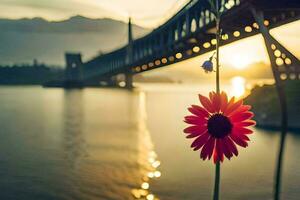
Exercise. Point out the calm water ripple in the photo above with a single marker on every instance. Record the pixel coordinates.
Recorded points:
(115, 145)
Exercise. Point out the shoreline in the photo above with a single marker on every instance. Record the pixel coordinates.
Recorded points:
(276, 128)
(265, 105)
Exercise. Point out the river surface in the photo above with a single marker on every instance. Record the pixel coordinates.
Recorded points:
(110, 144)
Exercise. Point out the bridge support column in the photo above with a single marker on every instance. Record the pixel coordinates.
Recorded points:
(128, 81)
(284, 66)
(130, 58)
(73, 71)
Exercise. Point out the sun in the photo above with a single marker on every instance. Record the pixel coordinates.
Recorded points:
(238, 86)
(240, 61)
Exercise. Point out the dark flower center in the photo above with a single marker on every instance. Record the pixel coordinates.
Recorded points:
(219, 126)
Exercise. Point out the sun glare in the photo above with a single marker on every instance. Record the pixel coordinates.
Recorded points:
(238, 85)
(240, 62)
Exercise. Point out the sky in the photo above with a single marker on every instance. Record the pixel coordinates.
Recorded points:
(147, 13)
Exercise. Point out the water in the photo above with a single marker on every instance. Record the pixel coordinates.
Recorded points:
(105, 143)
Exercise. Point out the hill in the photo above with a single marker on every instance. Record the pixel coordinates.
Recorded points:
(265, 103)
(26, 39)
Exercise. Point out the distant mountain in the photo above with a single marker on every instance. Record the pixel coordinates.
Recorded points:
(23, 40)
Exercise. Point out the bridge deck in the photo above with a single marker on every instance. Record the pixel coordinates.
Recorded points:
(190, 33)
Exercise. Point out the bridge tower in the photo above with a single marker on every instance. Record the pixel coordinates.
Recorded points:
(128, 73)
(285, 66)
(73, 71)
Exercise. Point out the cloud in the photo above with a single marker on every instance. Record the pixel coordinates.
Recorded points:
(145, 13)
(51, 10)
(41, 4)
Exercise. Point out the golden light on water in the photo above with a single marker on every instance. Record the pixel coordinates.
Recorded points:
(145, 186)
(238, 86)
(150, 161)
(150, 174)
(157, 174)
(139, 193)
(150, 197)
(155, 164)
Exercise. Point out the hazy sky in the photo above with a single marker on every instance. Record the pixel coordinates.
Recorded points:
(144, 12)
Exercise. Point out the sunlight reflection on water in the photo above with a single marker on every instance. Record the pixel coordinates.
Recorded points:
(146, 148)
(238, 85)
(185, 176)
(113, 144)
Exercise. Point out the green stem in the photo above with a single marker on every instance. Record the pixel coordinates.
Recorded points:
(218, 54)
(217, 175)
(217, 182)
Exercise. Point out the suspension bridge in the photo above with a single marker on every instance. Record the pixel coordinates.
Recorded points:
(189, 33)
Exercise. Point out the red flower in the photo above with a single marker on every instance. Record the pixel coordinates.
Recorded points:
(218, 126)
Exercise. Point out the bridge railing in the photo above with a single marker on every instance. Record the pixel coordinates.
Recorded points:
(104, 64)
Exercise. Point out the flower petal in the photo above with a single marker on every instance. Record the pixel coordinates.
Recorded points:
(216, 102)
(200, 131)
(195, 129)
(241, 131)
(232, 107)
(241, 116)
(238, 140)
(230, 103)
(226, 148)
(193, 135)
(241, 109)
(195, 120)
(244, 137)
(218, 153)
(211, 94)
(224, 101)
(200, 141)
(208, 148)
(206, 103)
(246, 123)
(232, 146)
(199, 111)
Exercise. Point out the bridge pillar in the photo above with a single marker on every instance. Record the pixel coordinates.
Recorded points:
(128, 73)
(73, 71)
(284, 66)
(128, 81)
